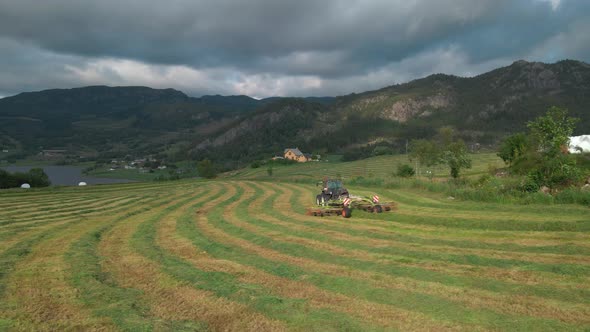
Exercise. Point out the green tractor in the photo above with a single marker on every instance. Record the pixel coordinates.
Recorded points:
(335, 199)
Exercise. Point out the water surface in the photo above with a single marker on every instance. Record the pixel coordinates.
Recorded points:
(66, 175)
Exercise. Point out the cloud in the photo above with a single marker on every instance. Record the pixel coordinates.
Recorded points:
(267, 47)
(554, 3)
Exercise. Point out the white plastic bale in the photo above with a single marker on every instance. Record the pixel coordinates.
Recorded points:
(579, 144)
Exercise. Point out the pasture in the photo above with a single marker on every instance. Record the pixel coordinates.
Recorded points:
(382, 167)
(242, 255)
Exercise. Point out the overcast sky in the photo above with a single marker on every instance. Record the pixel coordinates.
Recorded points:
(267, 48)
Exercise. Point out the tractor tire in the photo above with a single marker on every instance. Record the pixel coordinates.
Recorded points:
(346, 212)
(318, 200)
(323, 200)
(377, 208)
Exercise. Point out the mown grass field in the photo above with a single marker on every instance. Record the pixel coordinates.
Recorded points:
(376, 167)
(242, 255)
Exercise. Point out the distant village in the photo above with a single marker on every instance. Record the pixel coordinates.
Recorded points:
(144, 165)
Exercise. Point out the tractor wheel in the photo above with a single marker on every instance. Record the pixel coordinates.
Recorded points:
(378, 209)
(346, 212)
(323, 200)
(318, 200)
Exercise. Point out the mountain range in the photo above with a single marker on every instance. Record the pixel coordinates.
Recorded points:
(108, 122)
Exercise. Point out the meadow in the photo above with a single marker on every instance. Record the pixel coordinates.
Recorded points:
(380, 167)
(242, 255)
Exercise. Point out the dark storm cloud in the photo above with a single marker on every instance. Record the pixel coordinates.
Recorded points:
(263, 46)
(218, 33)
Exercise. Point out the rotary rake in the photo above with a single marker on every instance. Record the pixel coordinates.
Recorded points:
(335, 200)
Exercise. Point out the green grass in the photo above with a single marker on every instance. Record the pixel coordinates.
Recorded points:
(432, 264)
(381, 167)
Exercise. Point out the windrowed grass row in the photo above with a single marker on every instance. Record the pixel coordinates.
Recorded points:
(242, 255)
(38, 295)
(329, 306)
(99, 292)
(325, 238)
(240, 288)
(355, 287)
(19, 232)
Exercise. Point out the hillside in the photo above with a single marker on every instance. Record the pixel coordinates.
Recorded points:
(483, 109)
(119, 120)
(115, 121)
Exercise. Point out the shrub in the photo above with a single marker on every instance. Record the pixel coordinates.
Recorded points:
(206, 169)
(405, 171)
(530, 184)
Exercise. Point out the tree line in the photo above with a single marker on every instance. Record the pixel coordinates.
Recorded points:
(35, 177)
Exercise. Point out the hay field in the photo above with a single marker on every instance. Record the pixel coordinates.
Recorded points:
(242, 255)
(375, 167)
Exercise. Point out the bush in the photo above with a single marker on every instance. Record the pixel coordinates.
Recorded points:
(530, 184)
(280, 162)
(206, 169)
(573, 196)
(405, 171)
(382, 150)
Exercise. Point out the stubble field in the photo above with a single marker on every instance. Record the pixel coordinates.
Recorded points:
(242, 255)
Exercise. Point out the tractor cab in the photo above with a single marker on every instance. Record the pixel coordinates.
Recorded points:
(332, 189)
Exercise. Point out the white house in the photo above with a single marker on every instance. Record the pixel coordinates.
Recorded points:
(579, 144)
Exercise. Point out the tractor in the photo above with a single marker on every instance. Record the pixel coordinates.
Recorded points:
(331, 190)
(336, 200)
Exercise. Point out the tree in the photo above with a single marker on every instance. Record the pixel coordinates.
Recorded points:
(206, 169)
(455, 156)
(445, 136)
(553, 130)
(38, 178)
(513, 147)
(453, 151)
(7, 180)
(424, 152)
(551, 165)
(445, 149)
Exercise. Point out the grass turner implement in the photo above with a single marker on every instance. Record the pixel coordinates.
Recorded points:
(336, 200)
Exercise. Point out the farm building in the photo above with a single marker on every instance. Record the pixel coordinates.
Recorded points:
(296, 154)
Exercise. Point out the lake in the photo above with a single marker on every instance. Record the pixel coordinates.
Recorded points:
(65, 175)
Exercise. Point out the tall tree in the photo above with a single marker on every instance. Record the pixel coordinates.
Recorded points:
(553, 130)
(456, 157)
(424, 152)
(453, 151)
